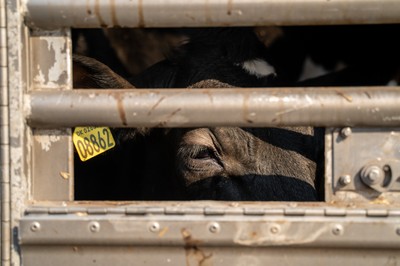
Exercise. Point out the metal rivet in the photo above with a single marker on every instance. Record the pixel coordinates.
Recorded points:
(274, 229)
(35, 226)
(214, 228)
(337, 229)
(345, 180)
(154, 227)
(345, 132)
(94, 227)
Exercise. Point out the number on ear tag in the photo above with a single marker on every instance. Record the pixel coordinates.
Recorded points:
(92, 141)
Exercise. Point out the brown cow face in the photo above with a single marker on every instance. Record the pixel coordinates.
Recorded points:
(231, 163)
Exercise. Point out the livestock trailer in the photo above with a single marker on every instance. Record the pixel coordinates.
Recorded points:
(357, 222)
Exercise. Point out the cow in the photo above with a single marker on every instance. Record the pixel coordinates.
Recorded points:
(233, 163)
(222, 163)
(231, 55)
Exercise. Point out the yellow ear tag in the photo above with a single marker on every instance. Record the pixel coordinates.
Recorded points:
(91, 141)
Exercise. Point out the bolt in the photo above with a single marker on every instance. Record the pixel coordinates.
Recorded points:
(94, 227)
(274, 229)
(345, 132)
(386, 168)
(345, 180)
(35, 226)
(214, 228)
(337, 229)
(372, 174)
(154, 227)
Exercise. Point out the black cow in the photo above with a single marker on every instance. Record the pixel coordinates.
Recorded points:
(233, 163)
(202, 163)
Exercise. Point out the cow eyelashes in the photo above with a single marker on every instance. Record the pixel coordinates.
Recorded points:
(204, 153)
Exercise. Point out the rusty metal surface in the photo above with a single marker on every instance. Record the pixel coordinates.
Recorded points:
(357, 106)
(179, 13)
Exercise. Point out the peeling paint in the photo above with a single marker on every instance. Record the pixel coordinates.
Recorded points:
(48, 137)
(18, 179)
(57, 73)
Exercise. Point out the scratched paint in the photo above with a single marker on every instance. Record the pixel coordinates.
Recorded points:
(53, 53)
(248, 234)
(47, 138)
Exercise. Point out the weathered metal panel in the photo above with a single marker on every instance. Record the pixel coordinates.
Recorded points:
(208, 256)
(51, 70)
(279, 235)
(14, 172)
(334, 228)
(363, 106)
(181, 13)
(365, 165)
(345, 230)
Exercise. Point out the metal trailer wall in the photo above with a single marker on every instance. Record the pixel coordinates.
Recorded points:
(5, 233)
(45, 226)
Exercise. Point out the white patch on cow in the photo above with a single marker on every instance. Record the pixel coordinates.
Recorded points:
(313, 70)
(258, 68)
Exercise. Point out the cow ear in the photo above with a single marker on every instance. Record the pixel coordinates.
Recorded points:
(90, 73)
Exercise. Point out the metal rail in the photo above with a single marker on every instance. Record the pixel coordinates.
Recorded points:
(5, 208)
(181, 13)
(356, 106)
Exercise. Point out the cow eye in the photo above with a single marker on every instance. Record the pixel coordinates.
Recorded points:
(204, 153)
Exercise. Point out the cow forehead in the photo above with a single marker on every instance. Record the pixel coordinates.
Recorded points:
(198, 136)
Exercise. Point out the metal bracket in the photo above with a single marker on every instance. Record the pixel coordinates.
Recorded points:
(366, 162)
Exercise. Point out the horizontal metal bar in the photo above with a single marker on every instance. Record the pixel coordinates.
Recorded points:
(182, 13)
(355, 106)
(179, 230)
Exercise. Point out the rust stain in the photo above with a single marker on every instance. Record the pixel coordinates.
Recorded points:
(98, 15)
(230, 7)
(88, 9)
(121, 109)
(347, 97)
(207, 12)
(165, 122)
(113, 14)
(208, 93)
(163, 231)
(154, 106)
(140, 14)
(245, 108)
(193, 252)
(368, 95)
